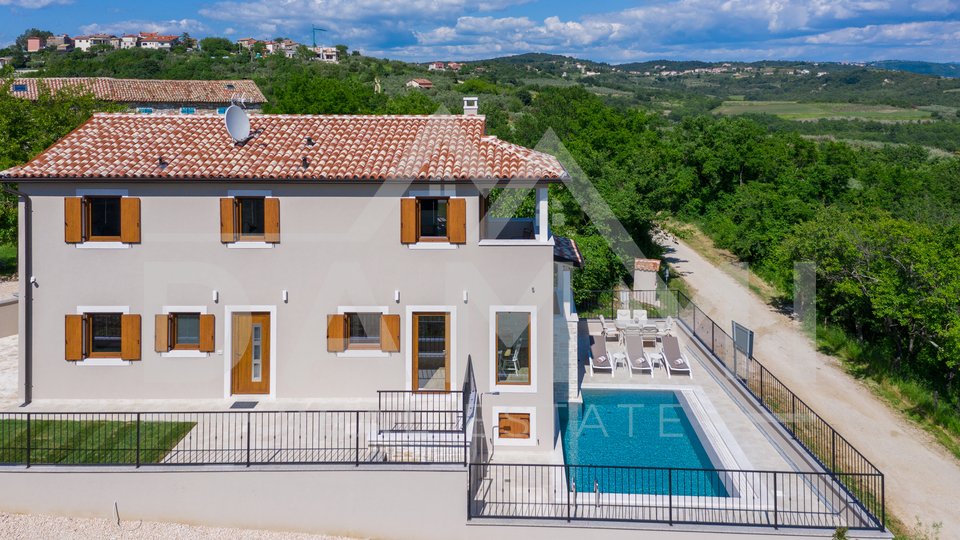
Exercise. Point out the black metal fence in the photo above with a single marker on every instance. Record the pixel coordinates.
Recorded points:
(222, 438)
(692, 496)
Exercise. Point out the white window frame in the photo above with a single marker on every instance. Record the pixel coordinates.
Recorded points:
(534, 365)
(531, 441)
(228, 312)
(362, 353)
(408, 342)
(174, 353)
(104, 362)
(102, 192)
(250, 193)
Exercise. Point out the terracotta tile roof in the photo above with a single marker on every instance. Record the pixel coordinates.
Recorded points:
(149, 90)
(446, 148)
(565, 250)
(649, 265)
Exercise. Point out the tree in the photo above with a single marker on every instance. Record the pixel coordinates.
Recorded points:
(216, 46)
(341, 51)
(259, 48)
(411, 103)
(21, 41)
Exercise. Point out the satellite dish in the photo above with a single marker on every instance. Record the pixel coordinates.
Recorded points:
(237, 122)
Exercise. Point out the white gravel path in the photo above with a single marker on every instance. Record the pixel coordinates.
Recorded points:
(922, 478)
(55, 527)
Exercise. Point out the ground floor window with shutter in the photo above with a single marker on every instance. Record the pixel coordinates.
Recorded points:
(363, 332)
(105, 334)
(180, 332)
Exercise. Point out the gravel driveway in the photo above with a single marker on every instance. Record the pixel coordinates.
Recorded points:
(922, 478)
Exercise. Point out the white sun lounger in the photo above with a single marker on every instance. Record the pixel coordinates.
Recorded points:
(673, 358)
(599, 359)
(637, 358)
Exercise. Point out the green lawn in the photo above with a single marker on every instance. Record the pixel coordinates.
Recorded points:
(792, 110)
(88, 442)
(8, 259)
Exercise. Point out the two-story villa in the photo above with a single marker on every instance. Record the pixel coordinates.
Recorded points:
(321, 257)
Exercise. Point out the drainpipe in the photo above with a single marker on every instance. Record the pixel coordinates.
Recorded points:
(27, 266)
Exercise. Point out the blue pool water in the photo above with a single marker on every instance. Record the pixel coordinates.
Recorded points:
(640, 428)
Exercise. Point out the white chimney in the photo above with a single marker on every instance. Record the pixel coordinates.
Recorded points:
(471, 105)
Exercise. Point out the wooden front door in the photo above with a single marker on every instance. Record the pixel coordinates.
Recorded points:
(431, 352)
(250, 373)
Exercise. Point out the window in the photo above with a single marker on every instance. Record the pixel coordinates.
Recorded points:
(109, 333)
(188, 110)
(432, 219)
(145, 110)
(512, 344)
(514, 426)
(186, 331)
(363, 330)
(103, 218)
(19, 88)
(221, 110)
(230, 86)
(104, 335)
(251, 217)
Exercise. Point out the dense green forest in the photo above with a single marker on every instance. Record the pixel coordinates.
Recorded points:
(882, 224)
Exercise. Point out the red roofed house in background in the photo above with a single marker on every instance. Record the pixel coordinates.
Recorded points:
(35, 43)
(153, 96)
(423, 84)
(317, 257)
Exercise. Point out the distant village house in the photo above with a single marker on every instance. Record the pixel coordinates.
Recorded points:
(423, 84)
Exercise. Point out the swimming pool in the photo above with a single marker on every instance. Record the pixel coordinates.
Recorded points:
(613, 429)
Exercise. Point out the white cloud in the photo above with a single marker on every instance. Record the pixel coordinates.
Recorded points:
(32, 4)
(228, 31)
(919, 33)
(175, 26)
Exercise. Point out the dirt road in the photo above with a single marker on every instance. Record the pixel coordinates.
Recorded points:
(922, 479)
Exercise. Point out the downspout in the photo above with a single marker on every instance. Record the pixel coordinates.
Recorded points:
(27, 266)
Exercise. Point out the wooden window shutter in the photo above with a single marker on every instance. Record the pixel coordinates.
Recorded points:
(73, 337)
(161, 341)
(271, 220)
(228, 233)
(457, 220)
(390, 333)
(130, 220)
(73, 220)
(336, 333)
(130, 337)
(408, 221)
(208, 329)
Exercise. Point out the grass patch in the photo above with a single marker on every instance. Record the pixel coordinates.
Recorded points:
(792, 110)
(107, 442)
(8, 259)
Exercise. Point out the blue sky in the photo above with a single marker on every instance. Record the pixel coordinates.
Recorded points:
(615, 31)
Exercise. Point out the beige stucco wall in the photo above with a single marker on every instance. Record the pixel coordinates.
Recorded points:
(367, 502)
(340, 246)
(9, 316)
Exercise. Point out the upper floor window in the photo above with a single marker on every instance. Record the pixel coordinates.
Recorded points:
(188, 110)
(101, 218)
(145, 110)
(433, 219)
(221, 110)
(250, 219)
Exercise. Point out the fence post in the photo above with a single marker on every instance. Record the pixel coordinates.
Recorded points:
(775, 517)
(670, 495)
(28, 440)
(883, 504)
(762, 402)
(568, 497)
(793, 416)
(833, 464)
(138, 440)
(356, 438)
(469, 492)
(249, 436)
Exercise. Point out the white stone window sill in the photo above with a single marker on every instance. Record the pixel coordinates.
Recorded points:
(250, 245)
(184, 354)
(433, 245)
(103, 362)
(357, 353)
(515, 388)
(103, 245)
(518, 242)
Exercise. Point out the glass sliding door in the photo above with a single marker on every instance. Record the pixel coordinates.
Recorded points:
(431, 352)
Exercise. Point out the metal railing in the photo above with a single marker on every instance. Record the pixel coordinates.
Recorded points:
(668, 495)
(220, 438)
(405, 411)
